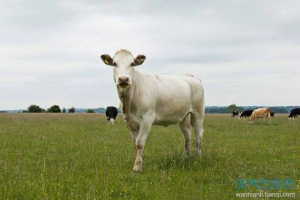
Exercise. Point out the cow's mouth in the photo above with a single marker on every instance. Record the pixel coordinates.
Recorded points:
(123, 86)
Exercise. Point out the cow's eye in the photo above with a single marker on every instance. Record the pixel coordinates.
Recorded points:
(115, 64)
(132, 64)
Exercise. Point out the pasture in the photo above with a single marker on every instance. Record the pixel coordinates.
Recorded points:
(80, 156)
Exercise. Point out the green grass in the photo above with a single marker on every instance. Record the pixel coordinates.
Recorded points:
(79, 156)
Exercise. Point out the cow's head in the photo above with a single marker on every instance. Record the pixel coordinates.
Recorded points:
(123, 63)
(112, 121)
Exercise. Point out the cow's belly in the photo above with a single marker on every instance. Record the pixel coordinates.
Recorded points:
(166, 122)
(165, 117)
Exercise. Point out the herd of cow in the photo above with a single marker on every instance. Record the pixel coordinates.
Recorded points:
(112, 113)
(263, 113)
(148, 99)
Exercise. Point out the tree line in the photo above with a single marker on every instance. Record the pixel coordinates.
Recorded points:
(232, 107)
(53, 109)
(208, 109)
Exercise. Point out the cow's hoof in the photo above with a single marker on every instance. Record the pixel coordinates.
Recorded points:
(137, 169)
(198, 153)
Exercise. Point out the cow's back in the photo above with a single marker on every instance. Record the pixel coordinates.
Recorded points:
(295, 111)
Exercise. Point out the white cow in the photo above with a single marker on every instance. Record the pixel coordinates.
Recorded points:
(150, 99)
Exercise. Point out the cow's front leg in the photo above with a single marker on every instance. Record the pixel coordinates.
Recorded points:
(134, 135)
(140, 141)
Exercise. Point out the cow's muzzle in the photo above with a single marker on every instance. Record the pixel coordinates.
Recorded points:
(112, 121)
(123, 81)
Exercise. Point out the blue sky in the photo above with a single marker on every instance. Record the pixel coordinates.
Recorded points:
(245, 52)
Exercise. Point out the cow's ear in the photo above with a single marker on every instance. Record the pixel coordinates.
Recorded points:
(139, 60)
(107, 59)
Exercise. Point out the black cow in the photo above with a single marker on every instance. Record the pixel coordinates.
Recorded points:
(246, 113)
(111, 114)
(294, 113)
(235, 113)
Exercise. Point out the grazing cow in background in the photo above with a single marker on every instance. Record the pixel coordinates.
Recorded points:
(260, 113)
(150, 99)
(294, 113)
(272, 113)
(246, 113)
(111, 114)
(235, 113)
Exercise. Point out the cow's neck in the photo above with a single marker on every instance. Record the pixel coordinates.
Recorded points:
(127, 96)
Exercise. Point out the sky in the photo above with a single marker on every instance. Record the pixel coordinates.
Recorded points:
(245, 52)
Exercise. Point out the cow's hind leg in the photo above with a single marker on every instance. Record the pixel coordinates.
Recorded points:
(199, 130)
(185, 128)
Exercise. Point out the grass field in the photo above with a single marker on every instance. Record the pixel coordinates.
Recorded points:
(79, 156)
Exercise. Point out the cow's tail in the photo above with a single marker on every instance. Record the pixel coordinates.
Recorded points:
(192, 117)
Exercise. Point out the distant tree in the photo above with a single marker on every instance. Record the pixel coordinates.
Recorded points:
(54, 109)
(35, 109)
(64, 110)
(279, 109)
(72, 110)
(102, 110)
(216, 109)
(90, 111)
(3, 111)
(233, 107)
